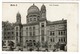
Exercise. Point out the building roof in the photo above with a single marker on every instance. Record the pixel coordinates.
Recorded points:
(42, 19)
(56, 22)
(34, 23)
(6, 23)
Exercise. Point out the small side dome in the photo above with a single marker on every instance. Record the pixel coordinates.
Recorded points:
(18, 15)
(33, 9)
(43, 8)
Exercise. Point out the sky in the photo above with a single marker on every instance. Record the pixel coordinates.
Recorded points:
(54, 11)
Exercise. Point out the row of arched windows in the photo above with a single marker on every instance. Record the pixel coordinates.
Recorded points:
(31, 19)
(62, 39)
(31, 31)
(62, 32)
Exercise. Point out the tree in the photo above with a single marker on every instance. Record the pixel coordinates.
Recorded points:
(29, 44)
(38, 45)
(46, 45)
(57, 45)
(18, 44)
(11, 44)
(19, 47)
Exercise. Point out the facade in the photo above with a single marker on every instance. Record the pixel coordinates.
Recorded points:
(7, 34)
(38, 33)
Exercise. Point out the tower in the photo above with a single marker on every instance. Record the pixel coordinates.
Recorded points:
(18, 29)
(18, 18)
(43, 11)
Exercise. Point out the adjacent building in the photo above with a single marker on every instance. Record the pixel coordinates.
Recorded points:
(7, 34)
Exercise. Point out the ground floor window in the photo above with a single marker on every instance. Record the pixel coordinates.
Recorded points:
(42, 38)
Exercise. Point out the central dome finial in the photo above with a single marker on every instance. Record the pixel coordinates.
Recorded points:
(33, 4)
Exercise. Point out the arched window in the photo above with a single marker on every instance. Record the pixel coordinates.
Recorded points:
(42, 32)
(33, 31)
(59, 32)
(42, 38)
(16, 28)
(42, 24)
(34, 19)
(59, 39)
(16, 33)
(52, 33)
(33, 28)
(30, 29)
(30, 19)
(64, 32)
(27, 20)
(51, 39)
(64, 39)
(33, 40)
(27, 31)
(26, 40)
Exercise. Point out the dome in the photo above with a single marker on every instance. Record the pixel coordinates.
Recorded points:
(43, 8)
(18, 14)
(33, 9)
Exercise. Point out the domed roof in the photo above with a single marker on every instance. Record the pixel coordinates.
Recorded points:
(18, 14)
(43, 8)
(33, 9)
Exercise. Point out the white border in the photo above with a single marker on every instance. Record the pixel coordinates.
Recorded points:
(33, 52)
